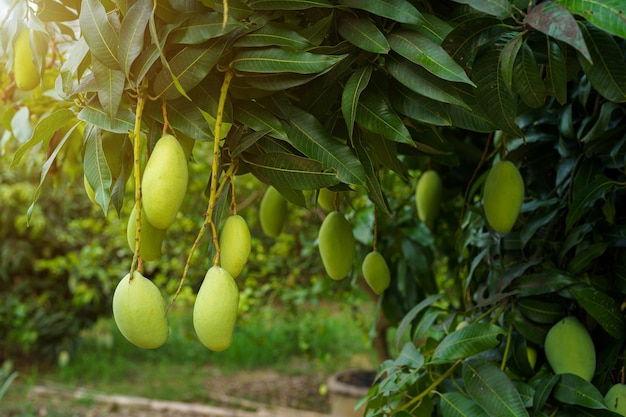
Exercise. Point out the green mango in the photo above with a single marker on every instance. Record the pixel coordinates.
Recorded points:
(336, 245)
(569, 349)
(164, 182)
(26, 74)
(326, 199)
(215, 309)
(428, 194)
(234, 245)
(273, 212)
(503, 195)
(151, 237)
(615, 399)
(376, 272)
(139, 312)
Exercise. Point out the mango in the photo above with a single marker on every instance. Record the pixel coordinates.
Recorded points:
(139, 312)
(151, 237)
(376, 272)
(234, 245)
(164, 182)
(336, 245)
(615, 399)
(273, 212)
(569, 349)
(215, 309)
(26, 74)
(503, 195)
(428, 194)
(326, 199)
(91, 194)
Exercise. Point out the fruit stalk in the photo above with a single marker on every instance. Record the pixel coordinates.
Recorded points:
(141, 101)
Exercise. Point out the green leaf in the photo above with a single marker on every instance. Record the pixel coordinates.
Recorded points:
(310, 137)
(528, 82)
(507, 58)
(287, 4)
(544, 282)
(96, 169)
(492, 389)
(556, 77)
(398, 10)
(46, 126)
(93, 113)
(273, 35)
(608, 71)
(100, 35)
(132, 33)
(202, 27)
(493, 95)
(292, 171)
(557, 22)
(586, 256)
(540, 311)
(454, 404)
(410, 316)
(609, 15)
(189, 67)
(410, 357)
(185, 116)
(257, 117)
(498, 8)
(420, 50)
(365, 153)
(589, 186)
(421, 81)
(420, 108)
(110, 85)
(52, 11)
(467, 341)
(278, 60)
(604, 309)
(385, 152)
(572, 389)
(374, 114)
(465, 40)
(362, 32)
(543, 389)
(351, 93)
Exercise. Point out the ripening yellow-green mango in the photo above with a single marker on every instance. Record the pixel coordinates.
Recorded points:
(428, 194)
(139, 311)
(376, 272)
(503, 195)
(164, 182)
(570, 349)
(151, 237)
(326, 199)
(234, 244)
(336, 245)
(26, 74)
(615, 399)
(273, 212)
(215, 309)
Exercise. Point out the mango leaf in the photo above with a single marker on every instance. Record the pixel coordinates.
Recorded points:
(278, 60)
(409, 357)
(374, 114)
(604, 309)
(110, 84)
(364, 152)
(589, 186)
(493, 95)
(258, 118)
(556, 77)
(492, 389)
(96, 169)
(543, 389)
(273, 35)
(608, 72)
(572, 389)
(410, 316)
(544, 282)
(497, 8)
(351, 93)
(507, 58)
(99, 33)
(557, 22)
(287, 4)
(132, 33)
(586, 256)
(420, 50)
(362, 32)
(421, 81)
(399, 10)
(93, 113)
(609, 15)
(540, 311)
(52, 11)
(420, 108)
(292, 171)
(189, 67)
(454, 404)
(44, 129)
(528, 82)
(464, 41)
(185, 116)
(385, 152)
(202, 27)
(467, 341)
(310, 137)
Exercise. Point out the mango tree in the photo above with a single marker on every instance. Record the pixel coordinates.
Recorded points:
(356, 98)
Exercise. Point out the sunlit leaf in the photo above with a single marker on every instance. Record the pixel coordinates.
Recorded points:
(258, 118)
(122, 122)
(96, 170)
(277, 60)
(110, 84)
(202, 27)
(99, 33)
(132, 33)
(273, 35)
(609, 15)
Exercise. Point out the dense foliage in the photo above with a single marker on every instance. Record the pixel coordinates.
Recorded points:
(364, 95)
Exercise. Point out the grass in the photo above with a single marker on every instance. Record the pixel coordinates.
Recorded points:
(315, 338)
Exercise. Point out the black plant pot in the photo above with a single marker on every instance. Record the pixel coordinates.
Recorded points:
(345, 388)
